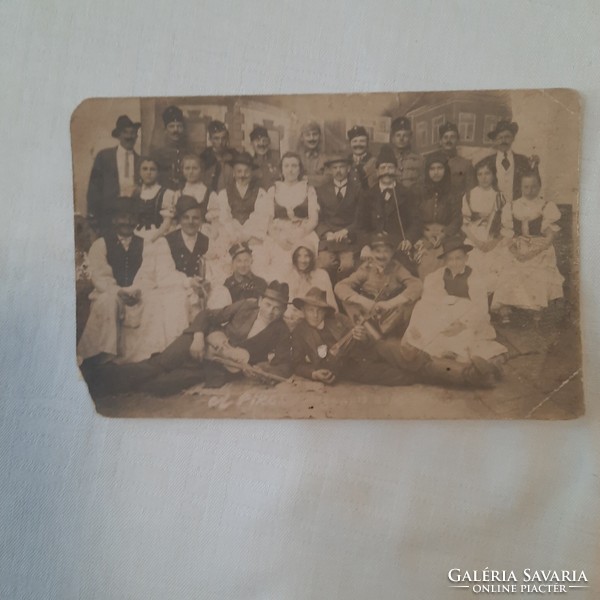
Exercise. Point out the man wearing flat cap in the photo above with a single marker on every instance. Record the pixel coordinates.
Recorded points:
(338, 201)
(508, 166)
(215, 158)
(363, 170)
(461, 169)
(248, 332)
(114, 174)
(311, 153)
(243, 283)
(267, 166)
(409, 164)
(174, 146)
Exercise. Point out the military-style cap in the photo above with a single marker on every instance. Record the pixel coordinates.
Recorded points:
(386, 156)
(401, 124)
(242, 158)
(503, 126)
(171, 114)
(123, 122)
(445, 127)
(239, 249)
(216, 127)
(381, 239)
(258, 132)
(280, 292)
(310, 126)
(185, 203)
(357, 131)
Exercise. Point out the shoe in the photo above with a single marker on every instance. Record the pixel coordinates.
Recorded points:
(481, 373)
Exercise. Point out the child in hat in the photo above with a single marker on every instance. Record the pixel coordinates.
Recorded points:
(451, 320)
(156, 203)
(530, 279)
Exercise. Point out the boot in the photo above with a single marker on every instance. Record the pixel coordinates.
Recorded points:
(479, 373)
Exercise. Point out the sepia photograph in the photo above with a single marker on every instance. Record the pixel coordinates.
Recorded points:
(364, 256)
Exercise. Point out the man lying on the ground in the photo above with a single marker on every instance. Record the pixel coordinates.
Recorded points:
(248, 337)
(326, 347)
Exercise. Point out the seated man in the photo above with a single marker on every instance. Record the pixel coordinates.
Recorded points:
(327, 348)
(243, 284)
(249, 335)
(138, 304)
(338, 201)
(381, 291)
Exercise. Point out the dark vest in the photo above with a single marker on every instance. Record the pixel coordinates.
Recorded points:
(149, 210)
(250, 287)
(535, 226)
(241, 208)
(300, 211)
(190, 263)
(459, 285)
(124, 263)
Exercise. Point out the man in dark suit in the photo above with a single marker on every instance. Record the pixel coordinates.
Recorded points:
(253, 331)
(268, 170)
(114, 174)
(217, 157)
(461, 169)
(509, 166)
(326, 347)
(338, 200)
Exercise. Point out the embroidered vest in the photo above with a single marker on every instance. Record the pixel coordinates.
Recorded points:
(124, 263)
(190, 263)
(149, 210)
(241, 208)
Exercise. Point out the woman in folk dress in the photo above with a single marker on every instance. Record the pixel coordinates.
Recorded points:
(486, 225)
(530, 279)
(451, 320)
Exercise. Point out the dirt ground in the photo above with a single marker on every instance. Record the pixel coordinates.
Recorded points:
(542, 380)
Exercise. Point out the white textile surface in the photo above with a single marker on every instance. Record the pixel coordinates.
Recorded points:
(92, 508)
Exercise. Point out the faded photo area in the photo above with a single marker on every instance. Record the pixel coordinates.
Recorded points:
(384, 256)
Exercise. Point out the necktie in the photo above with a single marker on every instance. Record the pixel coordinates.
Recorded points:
(339, 194)
(127, 168)
(505, 162)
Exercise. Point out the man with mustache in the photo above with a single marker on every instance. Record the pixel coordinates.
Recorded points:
(461, 169)
(114, 174)
(363, 170)
(409, 164)
(310, 151)
(267, 166)
(170, 152)
(509, 166)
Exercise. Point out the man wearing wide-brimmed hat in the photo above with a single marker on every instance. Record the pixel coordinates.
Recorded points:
(247, 332)
(509, 166)
(338, 201)
(363, 170)
(114, 173)
(268, 170)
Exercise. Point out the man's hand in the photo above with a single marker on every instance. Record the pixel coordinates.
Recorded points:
(404, 246)
(196, 283)
(329, 236)
(197, 347)
(130, 297)
(324, 376)
(365, 303)
(534, 161)
(359, 333)
(340, 236)
(386, 305)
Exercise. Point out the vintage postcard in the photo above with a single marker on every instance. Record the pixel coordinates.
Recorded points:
(361, 256)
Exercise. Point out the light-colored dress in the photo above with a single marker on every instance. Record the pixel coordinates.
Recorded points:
(532, 283)
(290, 213)
(437, 310)
(300, 284)
(134, 333)
(484, 219)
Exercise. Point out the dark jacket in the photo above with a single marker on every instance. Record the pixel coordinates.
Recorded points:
(236, 320)
(335, 215)
(243, 288)
(521, 167)
(104, 186)
(190, 263)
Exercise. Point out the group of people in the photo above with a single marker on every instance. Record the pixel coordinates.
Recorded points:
(378, 270)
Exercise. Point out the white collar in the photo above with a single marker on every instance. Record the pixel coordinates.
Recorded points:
(189, 238)
(340, 185)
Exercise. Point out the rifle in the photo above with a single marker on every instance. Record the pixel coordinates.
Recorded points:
(256, 372)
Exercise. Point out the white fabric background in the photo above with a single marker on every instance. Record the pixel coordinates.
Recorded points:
(105, 509)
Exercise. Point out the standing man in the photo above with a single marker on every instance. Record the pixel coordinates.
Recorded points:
(409, 164)
(311, 153)
(267, 167)
(216, 158)
(338, 201)
(508, 166)
(363, 170)
(461, 169)
(170, 152)
(113, 175)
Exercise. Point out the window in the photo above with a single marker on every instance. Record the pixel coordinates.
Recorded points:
(422, 134)
(466, 127)
(435, 128)
(489, 123)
